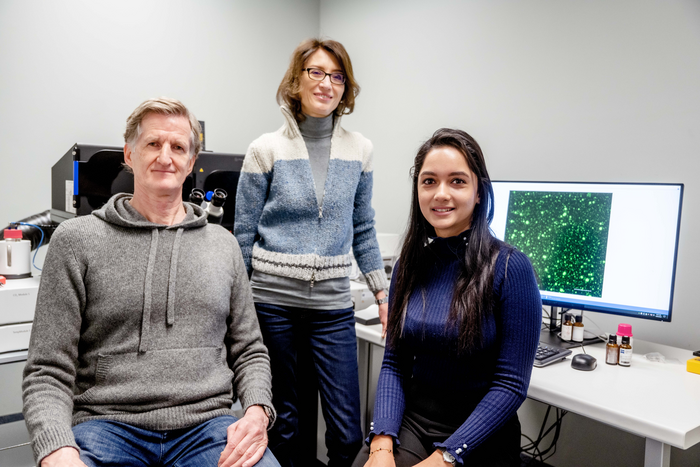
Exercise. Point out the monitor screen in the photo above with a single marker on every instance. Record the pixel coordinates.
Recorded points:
(606, 247)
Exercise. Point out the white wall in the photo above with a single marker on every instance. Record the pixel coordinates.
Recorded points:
(72, 71)
(552, 90)
(602, 90)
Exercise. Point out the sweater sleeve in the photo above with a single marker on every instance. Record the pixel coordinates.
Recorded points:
(365, 245)
(251, 196)
(250, 363)
(390, 399)
(49, 375)
(518, 324)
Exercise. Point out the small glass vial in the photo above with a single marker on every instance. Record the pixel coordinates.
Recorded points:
(625, 330)
(577, 334)
(612, 350)
(625, 352)
(567, 328)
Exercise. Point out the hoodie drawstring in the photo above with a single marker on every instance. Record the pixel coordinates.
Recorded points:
(172, 278)
(119, 212)
(146, 317)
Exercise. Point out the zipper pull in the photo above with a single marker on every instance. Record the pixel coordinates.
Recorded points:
(320, 212)
(313, 277)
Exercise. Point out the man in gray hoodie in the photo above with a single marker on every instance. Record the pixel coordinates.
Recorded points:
(145, 330)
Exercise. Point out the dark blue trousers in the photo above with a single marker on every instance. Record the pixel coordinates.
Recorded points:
(327, 337)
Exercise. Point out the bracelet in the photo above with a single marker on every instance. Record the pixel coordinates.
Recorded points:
(380, 301)
(385, 299)
(380, 449)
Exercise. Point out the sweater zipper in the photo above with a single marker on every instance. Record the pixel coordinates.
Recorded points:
(313, 274)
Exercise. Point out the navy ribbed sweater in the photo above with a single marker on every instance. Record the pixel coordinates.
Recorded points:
(475, 392)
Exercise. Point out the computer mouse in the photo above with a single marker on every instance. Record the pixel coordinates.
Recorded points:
(584, 362)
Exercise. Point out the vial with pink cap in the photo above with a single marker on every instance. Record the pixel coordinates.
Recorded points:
(624, 333)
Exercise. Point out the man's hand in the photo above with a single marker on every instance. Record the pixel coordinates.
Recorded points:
(63, 457)
(246, 439)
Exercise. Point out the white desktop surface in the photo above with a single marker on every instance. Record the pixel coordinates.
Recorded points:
(654, 400)
(371, 334)
(657, 401)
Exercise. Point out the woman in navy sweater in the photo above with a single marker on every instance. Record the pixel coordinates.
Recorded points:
(464, 324)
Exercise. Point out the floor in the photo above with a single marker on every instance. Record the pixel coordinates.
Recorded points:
(526, 461)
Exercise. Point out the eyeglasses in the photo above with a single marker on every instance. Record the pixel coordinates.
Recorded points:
(317, 74)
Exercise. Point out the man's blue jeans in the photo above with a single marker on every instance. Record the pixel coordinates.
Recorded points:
(328, 336)
(108, 443)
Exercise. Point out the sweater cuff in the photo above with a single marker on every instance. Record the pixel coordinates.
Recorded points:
(384, 426)
(457, 452)
(376, 280)
(51, 439)
(372, 434)
(259, 397)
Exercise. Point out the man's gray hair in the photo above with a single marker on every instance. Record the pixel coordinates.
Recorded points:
(163, 106)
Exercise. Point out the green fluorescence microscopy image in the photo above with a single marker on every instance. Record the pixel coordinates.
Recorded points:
(565, 235)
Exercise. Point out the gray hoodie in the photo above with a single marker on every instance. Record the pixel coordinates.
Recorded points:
(141, 323)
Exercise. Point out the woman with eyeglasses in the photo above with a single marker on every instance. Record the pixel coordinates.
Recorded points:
(303, 201)
(464, 324)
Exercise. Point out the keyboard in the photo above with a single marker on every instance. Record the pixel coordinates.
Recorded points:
(547, 354)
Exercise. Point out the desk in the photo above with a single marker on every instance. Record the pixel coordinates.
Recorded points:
(10, 357)
(659, 402)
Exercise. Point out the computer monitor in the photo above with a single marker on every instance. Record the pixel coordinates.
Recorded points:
(603, 247)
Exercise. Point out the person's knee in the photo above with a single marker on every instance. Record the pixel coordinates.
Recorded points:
(103, 442)
(215, 429)
(268, 460)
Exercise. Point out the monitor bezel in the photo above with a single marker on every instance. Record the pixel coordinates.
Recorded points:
(618, 310)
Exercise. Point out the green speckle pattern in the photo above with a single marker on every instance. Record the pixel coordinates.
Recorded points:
(565, 235)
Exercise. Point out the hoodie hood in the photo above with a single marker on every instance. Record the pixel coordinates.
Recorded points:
(118, 211)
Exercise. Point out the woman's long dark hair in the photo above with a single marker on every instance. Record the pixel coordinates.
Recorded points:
(472, 299)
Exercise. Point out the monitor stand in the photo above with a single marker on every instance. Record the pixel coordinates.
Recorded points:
(552, 338)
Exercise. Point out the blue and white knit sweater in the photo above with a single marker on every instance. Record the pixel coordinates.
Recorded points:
(280, 226)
